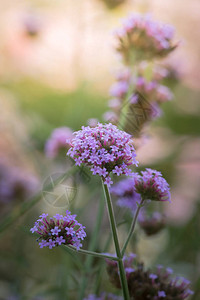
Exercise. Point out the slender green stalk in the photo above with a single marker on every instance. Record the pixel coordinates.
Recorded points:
(92, 253)
(92, 246)
(116, 242)
(132, 227)
(102, 267)
(24, 207)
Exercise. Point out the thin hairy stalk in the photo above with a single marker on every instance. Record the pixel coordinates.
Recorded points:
(101, 268)
(132, 227)
(96, 254)
(113, 226)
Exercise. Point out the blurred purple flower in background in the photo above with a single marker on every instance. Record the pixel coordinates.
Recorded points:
(57, 141)
(151, 224)
(149, 284)
(141, 38)
(16, 184)
(125, 191)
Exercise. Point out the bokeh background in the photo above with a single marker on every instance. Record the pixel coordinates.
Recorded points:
(57, 61)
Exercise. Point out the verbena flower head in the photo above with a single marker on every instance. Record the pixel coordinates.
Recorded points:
(149, 284)
(57, 141)
(103, 296)
(151, 224)
(59, 230)
(125, 191)
(152, 186)
(104, 149)
(142, 38)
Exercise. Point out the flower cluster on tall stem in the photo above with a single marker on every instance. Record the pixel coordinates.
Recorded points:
(142, 38)
(104, 149)
(119, 254)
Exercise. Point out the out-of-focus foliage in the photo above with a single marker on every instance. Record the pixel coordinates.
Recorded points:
(40, 102)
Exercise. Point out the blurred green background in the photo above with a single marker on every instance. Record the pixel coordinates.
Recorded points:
(57, 60)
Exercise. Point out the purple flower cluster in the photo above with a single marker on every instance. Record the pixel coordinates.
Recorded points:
(125, 192)
(142, 38)
(60, 230)
(104, 149)
(57, 141)
(148, 186)
(148, 284)
(103, 296)
(151, 224)
(152, 186)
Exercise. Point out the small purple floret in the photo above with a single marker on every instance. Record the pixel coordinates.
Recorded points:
(161, 294)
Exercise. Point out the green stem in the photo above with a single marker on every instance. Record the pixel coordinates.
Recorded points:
(96, 254)
(132, 227)
(116, 242)
(102, 267)
(24, 207)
